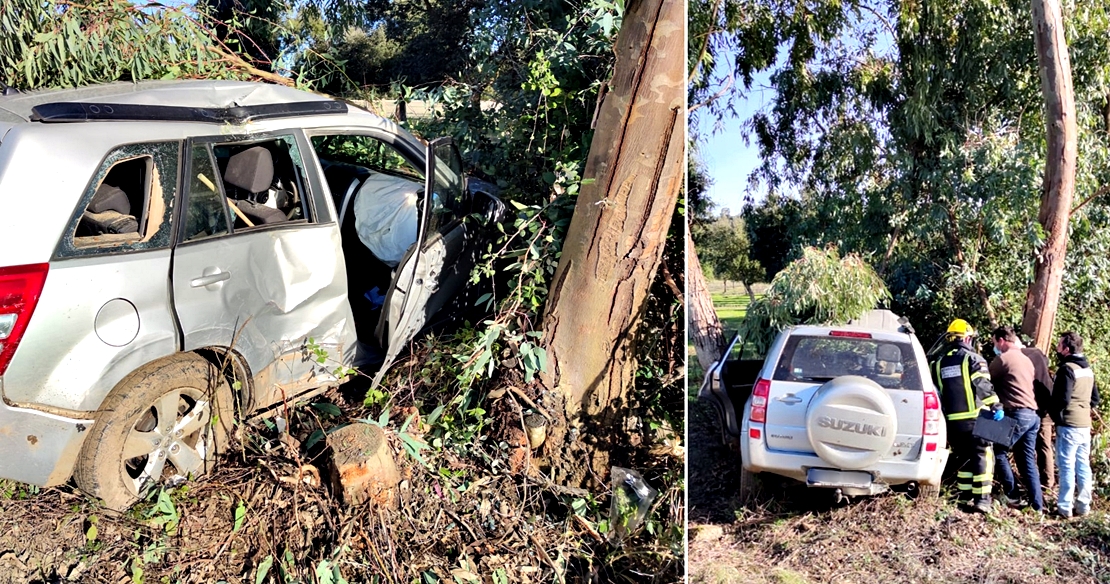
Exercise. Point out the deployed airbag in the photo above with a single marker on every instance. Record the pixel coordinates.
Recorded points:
(386, 215)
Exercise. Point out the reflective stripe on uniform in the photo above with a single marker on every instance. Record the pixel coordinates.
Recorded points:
(967, 382)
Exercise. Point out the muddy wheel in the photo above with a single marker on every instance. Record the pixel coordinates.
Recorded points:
(164, 422)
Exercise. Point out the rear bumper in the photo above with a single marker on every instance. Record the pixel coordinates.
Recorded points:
(39, 448)
(796, 465)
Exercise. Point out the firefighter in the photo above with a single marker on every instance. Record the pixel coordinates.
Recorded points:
(965, 388)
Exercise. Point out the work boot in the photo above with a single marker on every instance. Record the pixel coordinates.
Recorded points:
(982, 505)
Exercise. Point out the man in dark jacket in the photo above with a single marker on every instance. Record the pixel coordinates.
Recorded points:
(1012, 376)
(1042, 391)
(1074, 395)
(965, 388)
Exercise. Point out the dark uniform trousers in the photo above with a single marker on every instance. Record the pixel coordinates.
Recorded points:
(972, 461)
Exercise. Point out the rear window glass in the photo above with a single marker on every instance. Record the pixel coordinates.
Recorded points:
(820, 358)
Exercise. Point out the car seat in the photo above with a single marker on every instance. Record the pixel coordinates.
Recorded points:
(108, 212)
(251, 172)
(887, 359)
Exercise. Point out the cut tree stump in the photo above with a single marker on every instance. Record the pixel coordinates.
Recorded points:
(363, 470)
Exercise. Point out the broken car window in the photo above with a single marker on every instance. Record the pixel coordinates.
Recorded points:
(127, 204)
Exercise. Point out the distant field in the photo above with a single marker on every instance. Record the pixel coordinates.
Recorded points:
(732, 305)
(731, 308)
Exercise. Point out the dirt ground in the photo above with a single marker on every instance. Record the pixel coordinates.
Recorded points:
(798, 537)
(259, 517)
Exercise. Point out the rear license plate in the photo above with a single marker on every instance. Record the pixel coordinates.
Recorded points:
(827, 477)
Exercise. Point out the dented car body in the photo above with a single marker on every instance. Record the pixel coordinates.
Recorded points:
(143, 221)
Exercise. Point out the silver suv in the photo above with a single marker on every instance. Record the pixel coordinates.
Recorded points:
(176, 255)
(847, 407)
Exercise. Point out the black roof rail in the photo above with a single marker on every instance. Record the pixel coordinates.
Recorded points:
(74, 111)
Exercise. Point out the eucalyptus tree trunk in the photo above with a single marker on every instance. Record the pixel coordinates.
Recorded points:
(615, 240)
(1059, 177)
(706, 331)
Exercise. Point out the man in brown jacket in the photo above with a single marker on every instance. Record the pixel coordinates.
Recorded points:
(1042, 390)
(1012, 376)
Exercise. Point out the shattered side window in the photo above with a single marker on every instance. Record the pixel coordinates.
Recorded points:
(128, 203)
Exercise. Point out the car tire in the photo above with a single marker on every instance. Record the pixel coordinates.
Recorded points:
(165, 421)
(851, 422)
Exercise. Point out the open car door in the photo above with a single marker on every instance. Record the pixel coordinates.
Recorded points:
(437, 266)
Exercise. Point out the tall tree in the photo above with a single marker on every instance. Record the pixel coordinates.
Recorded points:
(615, 239)
(1059, 176)
(706, 332)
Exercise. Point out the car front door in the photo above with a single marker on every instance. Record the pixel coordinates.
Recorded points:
(435, 269)
(258, 267)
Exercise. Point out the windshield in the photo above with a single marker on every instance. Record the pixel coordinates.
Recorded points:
(820, 358)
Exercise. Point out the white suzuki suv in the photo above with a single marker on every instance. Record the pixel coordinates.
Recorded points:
(847, 407)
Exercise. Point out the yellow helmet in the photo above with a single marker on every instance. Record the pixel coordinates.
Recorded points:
(960, 327)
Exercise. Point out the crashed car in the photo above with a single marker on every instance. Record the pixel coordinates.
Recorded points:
(175, 256)
(849, 408)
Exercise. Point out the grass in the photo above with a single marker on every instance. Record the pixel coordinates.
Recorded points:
(731, 308)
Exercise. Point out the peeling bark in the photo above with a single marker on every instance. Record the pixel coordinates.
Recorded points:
(1059, 177)
(706, 331)
(614, 244)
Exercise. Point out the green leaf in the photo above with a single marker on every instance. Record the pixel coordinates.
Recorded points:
(263, 569)
(434, 416)
(329, 409)
(240, 516)
(313, 438)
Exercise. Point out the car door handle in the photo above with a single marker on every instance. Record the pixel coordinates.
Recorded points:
(209, 279)
(789, 399)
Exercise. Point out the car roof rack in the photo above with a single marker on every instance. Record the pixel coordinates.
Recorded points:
(75, 111)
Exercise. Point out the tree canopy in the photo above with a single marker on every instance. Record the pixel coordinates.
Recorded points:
(912, 133)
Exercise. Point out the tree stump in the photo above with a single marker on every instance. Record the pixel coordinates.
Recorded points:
(363, 470)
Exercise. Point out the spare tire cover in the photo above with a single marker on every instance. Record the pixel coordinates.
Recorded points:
(851, 422)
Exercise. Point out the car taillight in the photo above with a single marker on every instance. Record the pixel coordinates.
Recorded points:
(759, 400)
(20, 287)
(931, 426)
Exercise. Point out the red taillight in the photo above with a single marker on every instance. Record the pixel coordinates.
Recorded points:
(759, 400)
(20, 288)
(850, 334)
(931, 424)
(930, 447)
(755, 433)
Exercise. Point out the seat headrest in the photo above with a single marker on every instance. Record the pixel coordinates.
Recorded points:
(888, 353)
(251, 170)
(109, 198)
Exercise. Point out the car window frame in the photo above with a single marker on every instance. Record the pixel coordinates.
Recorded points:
(307, 185)
(168, 171)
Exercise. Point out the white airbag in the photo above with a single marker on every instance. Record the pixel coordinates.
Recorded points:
(386, 215)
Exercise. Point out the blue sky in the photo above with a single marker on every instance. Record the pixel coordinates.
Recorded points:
(728, 159)
(722, 147)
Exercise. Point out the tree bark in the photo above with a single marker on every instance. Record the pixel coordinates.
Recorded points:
(706, 331)
(1059, 177)
(615, 240)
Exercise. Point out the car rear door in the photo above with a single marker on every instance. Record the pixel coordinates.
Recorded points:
(265, 289)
